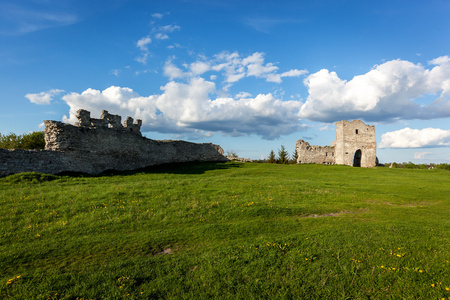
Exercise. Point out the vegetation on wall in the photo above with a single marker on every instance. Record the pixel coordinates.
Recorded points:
(33, 140)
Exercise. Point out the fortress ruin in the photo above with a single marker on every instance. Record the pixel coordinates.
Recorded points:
(355, 145)
(96, 145)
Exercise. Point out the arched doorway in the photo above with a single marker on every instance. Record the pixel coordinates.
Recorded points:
(357, 158)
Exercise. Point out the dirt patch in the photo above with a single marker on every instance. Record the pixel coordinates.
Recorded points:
(417, 204)
(325, 215)
(336, 214)
(165, 251)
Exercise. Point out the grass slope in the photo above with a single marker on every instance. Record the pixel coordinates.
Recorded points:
(227, 230)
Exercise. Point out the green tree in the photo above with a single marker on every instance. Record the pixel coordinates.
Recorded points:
(33, 140)
(271, 158)
(294, 157)
(283, 155)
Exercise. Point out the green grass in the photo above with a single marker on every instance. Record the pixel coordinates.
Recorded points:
(229, 231)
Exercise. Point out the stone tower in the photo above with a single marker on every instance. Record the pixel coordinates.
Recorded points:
(355, 144)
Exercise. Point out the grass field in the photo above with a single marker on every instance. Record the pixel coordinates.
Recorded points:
(227, 231)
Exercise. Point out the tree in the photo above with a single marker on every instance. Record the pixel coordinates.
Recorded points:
(33, 140)
(271, 159)
(283, 155)
(232, 154)
(294, 156)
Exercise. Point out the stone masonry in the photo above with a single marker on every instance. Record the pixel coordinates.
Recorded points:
(355, 145)
(97, 145)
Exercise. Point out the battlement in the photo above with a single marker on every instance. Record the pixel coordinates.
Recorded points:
(107, 120)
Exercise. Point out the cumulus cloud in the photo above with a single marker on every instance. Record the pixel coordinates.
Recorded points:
(387, 92)
(43, 97)
(187, 108)
(199, 67)
(415, 138)
(172, 71)
(233, 68)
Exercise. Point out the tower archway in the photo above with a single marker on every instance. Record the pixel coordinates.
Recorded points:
(357, 158)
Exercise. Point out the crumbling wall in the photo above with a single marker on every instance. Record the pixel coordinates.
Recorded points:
(97, 145)
(355, 145)
(308, 154)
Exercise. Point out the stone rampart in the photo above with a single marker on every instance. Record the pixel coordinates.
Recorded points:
(97, 145)
(308, 154)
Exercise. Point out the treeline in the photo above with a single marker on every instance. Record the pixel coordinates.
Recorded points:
(283, 157)
(411, 165)
(33, 140)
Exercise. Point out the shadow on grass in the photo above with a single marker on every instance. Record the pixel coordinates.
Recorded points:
(169, 168)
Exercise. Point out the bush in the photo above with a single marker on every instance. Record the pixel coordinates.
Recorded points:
(33, 140)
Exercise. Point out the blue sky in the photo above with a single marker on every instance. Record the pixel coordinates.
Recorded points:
(247, 75)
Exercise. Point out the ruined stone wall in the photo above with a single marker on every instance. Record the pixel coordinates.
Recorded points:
(351, 137)
(17, 161)
(355, 145)
(96, 145)
(308, 154)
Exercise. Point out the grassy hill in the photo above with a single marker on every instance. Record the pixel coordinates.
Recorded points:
(229, 231)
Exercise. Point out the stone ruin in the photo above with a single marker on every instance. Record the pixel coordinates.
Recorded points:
(94, 146)
(107, 120)
(355, 145)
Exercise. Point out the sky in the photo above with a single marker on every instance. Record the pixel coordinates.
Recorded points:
(247, 75)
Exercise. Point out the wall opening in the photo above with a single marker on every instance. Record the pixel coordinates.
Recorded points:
(357, 158)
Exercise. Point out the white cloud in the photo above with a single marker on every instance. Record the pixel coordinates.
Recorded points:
(294, 73)
(142, 44)
(17, 19)
(157, 15)
(172, 71)
(159, 33)
(421, 155)
(43, 97)
(199, 67)
(186, 108)
(242, 95)
(415, 138)
(161, 36)
(233, 68)
(115, 72)
(387, 92)
(169, 28)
